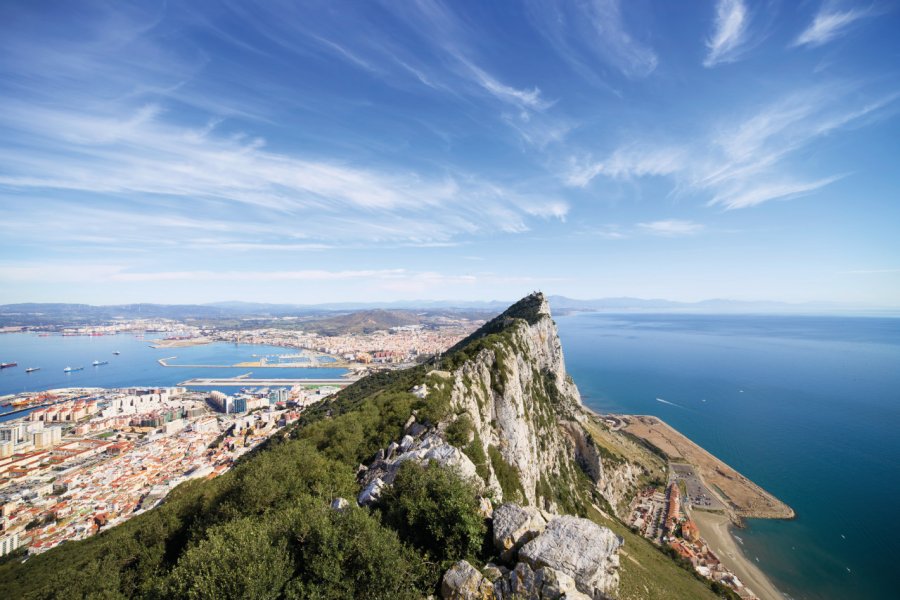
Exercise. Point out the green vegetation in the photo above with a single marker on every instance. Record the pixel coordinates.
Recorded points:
(436, 511)
(508, 476)
(475, 451)
(460, 430)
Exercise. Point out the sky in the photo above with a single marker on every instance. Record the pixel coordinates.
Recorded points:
(307, 152)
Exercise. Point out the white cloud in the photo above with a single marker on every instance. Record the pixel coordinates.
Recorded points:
(525, 98)
(744, 161)
(140, 155)
(630, 161)
(582, 32)
(828, 25)
(743, 198)
(671, 228)
(729, 34)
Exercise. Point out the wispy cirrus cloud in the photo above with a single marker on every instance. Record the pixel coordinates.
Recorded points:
(730, 33)
(521, 97)
(741, 162)
(671, 227)
(627, 162)
(740, 197)
(582, 32)
(829, 24)
(140, 154)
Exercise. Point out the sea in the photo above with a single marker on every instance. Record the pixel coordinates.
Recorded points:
(807, 407)
(136, 365)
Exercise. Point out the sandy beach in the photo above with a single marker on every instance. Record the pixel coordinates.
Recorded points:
(714, 529)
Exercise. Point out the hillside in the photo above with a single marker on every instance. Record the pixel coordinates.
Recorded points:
(490, 481)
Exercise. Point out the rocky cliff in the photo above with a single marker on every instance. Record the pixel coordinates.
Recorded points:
(509, 382)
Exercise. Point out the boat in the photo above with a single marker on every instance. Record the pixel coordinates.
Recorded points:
(116, 353)
(97, 363)
(8, 365)
(71, 369)
(32, 369)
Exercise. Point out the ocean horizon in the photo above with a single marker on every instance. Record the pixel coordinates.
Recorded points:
(807, 407)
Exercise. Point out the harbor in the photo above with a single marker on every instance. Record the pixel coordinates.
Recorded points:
(263, 382)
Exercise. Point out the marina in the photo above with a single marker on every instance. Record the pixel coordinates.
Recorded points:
(266, 382)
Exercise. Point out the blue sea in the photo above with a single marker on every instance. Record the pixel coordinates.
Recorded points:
(807, 407)
(136, 365)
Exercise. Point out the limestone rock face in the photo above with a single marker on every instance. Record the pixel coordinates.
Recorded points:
(619, 485)
(517, 391)
(463, 582)
(581, 549)
(514, 526)
(557, 585)
(524, 583)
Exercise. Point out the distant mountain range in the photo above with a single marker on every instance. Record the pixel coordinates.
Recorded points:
(55, 313)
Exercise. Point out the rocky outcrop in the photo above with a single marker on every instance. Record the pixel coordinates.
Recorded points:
(462, 581)
(430, 447)
(581, 549)
(619, 484)
(514, 526)
(515, 388)
(568, 557)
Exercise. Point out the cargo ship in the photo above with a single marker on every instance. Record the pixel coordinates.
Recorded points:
(32, 369)
(8, 365)
(97, 363)
(72, 369)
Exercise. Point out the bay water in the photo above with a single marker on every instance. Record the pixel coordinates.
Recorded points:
(136, 365)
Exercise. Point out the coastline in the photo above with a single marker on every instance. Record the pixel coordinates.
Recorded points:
(714, 528)
(742, 497)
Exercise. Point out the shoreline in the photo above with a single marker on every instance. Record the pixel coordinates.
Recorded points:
(715, 527)
(742, 497)
(715, 530)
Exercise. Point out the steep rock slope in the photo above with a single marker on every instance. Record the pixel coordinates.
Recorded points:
(509, 382)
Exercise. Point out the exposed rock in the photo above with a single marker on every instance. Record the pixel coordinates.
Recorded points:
(586, 452)
(371, 492)
(462, 581)
(494, 572)
(409, 422)
(516, 391)
(619, 485)
(524, 583)
(485, 508)
(431, 447)
(514, 526)
(416, 430)
(391, 449)
(557, 584)
(581, 549)
(339, 504)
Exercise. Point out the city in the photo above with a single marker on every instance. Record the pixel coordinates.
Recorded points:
(97, 457)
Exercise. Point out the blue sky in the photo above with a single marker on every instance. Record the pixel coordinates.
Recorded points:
(329, 151)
